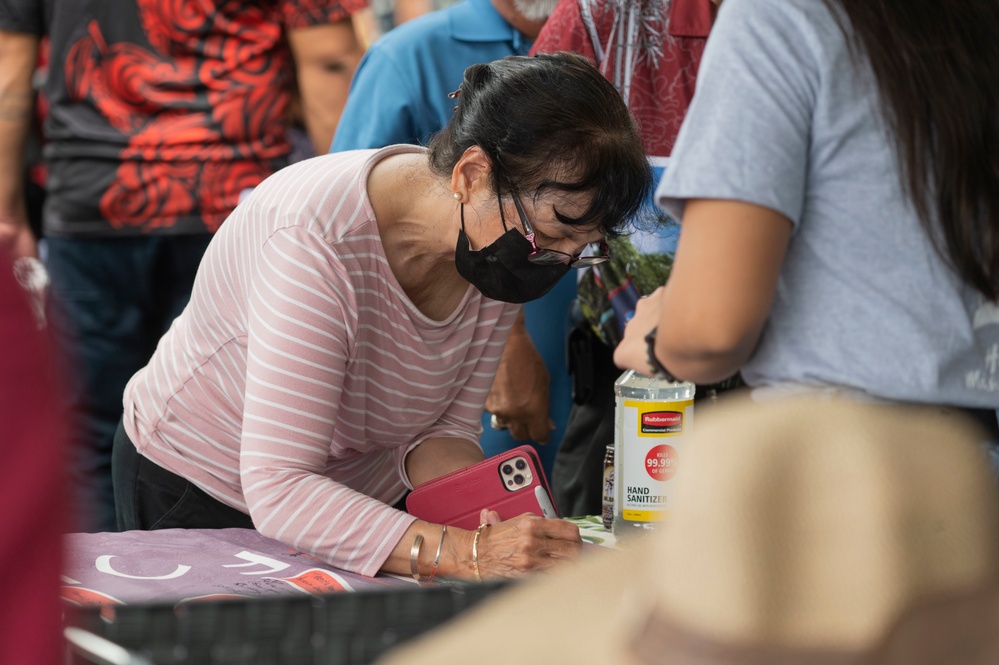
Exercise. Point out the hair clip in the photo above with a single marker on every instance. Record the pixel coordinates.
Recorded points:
(453, 95)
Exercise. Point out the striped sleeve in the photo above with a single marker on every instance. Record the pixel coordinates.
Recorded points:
(300, 329)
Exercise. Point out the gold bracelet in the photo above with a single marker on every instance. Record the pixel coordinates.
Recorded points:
(475, 551)
(437, 557)
(414, 557)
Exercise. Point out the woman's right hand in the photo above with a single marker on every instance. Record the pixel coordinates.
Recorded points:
(517, 546)
(511, 548)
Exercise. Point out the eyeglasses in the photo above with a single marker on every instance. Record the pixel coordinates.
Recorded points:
(550, 257)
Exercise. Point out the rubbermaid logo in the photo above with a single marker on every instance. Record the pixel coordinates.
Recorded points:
(662, 422)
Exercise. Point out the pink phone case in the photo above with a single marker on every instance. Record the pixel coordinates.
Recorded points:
(498, 483)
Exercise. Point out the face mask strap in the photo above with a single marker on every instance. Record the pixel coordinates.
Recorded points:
(461, 212)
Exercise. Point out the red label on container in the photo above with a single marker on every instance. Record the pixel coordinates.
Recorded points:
(662, 422)
(661, 462)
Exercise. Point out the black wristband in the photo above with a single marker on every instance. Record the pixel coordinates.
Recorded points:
(658, 371)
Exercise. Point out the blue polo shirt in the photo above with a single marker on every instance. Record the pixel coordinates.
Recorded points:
(399, 95)
(399, 91)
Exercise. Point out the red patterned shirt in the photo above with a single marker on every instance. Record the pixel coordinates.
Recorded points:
(667, 40)
(163, 111)
(650, 50)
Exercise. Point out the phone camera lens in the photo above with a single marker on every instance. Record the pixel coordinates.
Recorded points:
(519, 479)
(521, 465)
(507, 469)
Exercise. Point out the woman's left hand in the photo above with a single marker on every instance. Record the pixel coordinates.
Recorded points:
(632, 351)
(519, 399)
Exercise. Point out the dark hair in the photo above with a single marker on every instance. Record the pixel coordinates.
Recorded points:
(550, 122)
(936, 65)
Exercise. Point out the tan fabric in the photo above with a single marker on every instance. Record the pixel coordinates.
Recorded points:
(953, 631)
(584, 613)
(818, 523)
(957, 631)
(661, 642)
(808, 528)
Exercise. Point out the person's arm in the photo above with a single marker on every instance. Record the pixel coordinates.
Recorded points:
(506, 549)
(439, 456)
(519, 397)
(299, 335)
(510, 548)
(325, 59)
(711, 312)
(18, 56)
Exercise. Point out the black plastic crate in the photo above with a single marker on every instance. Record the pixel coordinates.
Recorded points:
(334, 629)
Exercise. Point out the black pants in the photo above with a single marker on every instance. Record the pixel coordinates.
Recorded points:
(148, 497)
(112, 300)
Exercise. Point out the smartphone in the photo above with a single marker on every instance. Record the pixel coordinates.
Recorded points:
(511, 483)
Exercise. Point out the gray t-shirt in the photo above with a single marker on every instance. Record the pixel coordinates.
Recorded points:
(783, 118)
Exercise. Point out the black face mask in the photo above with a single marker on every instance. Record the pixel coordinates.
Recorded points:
(502, 271)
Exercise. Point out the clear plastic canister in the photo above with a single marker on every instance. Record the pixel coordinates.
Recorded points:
(652, 420)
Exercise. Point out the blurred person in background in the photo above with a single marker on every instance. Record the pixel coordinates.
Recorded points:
(650, 50)
(160, 114)
(839, 197)
(32, 483)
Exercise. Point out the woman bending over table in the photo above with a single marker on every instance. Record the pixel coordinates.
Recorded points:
(837, 176)
(348, 318)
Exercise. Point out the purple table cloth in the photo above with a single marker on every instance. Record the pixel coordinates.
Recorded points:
(182, 565)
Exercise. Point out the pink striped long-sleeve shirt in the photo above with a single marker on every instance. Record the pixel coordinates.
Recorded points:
(300, 374)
